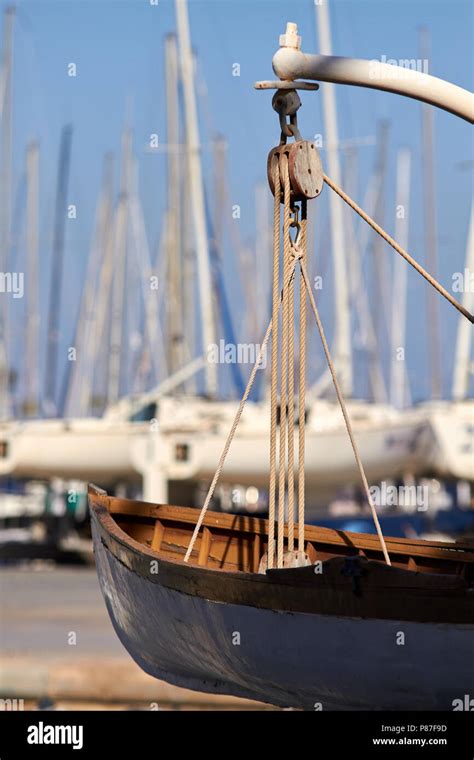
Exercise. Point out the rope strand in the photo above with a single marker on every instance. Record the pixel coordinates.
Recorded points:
(435, 284)
(284, 364)
(302, 383)
(342, 404)
(274, 367)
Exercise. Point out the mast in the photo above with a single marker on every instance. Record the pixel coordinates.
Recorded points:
(57, 271)
(5, 196)
(463, 364)
(120, 261)
(263, 251)
(6, 147)
(357, 242)
(31, 404)
(102, 300)
(143, 266)
(398, 377)
(342, 347)
(380, 303)
(174, 266)
(196, 189)
(431, 237)
(78, 382)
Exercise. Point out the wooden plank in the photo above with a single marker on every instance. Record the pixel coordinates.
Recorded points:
(311, 552)
(158, 534)
(256, 553)
(248, 524)
(205, 547)
(184, 516)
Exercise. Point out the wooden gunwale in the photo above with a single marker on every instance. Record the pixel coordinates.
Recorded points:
(398, 593)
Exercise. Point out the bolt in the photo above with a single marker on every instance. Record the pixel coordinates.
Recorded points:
(291, 39)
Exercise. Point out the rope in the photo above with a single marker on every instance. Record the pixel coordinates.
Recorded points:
(399, 249)
(284, 363)
(302, 383)
(344, 412)
(274, 368)
(291, 411)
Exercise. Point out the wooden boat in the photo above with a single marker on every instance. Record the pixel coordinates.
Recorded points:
(345, 632)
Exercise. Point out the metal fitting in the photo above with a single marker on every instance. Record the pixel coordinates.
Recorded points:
(290, 39)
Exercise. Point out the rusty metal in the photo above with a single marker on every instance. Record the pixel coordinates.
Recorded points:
(286, 102)
(281, 84)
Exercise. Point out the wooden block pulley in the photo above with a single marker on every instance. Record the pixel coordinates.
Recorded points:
(305, 169)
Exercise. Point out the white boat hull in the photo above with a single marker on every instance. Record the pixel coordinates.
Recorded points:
(80, 449)
(452, 426)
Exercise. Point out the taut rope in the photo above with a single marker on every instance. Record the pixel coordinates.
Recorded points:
(302, 380)
(274, 369)
(399, 249)
(342, 404)
(284, 360)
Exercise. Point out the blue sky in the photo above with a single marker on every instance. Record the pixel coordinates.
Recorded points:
(117, 46)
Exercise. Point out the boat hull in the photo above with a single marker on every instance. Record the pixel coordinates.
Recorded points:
(290, 659)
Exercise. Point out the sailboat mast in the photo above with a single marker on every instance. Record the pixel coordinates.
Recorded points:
(358, 291)
(174, 301)
(399, 297)
(6, 155)
(57, 271)
(196, 189)
(431, 239)
(342, 348)
(32, 319)
(120, 259)
(96, 368)
(81, 371)
(380, 296)
(463, 363)
(5, 197)
(263, 245)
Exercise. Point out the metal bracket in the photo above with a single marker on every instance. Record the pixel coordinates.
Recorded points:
(282, 84)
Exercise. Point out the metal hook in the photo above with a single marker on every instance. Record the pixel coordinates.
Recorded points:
(295, 222)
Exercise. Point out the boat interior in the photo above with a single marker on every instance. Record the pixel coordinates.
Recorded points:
(237, 543)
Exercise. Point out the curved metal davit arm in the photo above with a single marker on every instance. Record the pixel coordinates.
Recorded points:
(290, 63)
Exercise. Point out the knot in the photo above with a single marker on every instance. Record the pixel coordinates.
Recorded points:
(295, 251)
